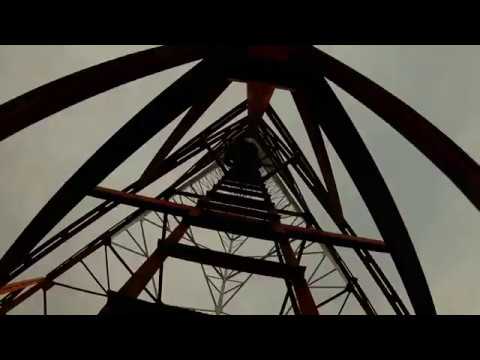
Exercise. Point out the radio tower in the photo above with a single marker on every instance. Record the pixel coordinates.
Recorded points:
(236, 221)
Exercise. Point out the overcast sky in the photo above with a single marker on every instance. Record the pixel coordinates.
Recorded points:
(440, 82)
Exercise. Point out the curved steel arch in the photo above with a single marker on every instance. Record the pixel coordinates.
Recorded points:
(359, 163)
(457, 165)
(46, 100)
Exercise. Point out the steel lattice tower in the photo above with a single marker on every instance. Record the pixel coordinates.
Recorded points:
(238, 213)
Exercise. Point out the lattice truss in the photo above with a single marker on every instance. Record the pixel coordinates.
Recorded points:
(189, 247)
(203, 288)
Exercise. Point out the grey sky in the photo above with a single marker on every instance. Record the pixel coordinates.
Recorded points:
(440, 82)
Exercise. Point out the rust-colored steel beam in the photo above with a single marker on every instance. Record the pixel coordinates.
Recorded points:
(19, 285)
(229, 222)
(47, 281)
(48, 99)
(232, 262)
(5, 308)
(306, 304)
(135, 285)
(259, 95)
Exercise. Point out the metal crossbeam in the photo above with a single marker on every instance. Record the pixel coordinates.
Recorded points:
(233, 262)
(228, 222)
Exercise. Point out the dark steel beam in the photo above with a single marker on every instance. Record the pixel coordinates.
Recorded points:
(312, 181)
(457, 165)
(337, 295)
(232, 262)
(283, 172)
(192, 116)
(277, 170)
(124, 305)
(292, 150)
(318, 145)
(160, 270)
(362, 168)
(213, 128)
(78, 289)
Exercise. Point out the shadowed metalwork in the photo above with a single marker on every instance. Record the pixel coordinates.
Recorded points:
(238, 211)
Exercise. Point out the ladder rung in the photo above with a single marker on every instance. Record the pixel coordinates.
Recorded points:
(264, 204)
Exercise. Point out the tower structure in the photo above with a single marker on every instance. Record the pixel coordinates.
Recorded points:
(237, 214)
